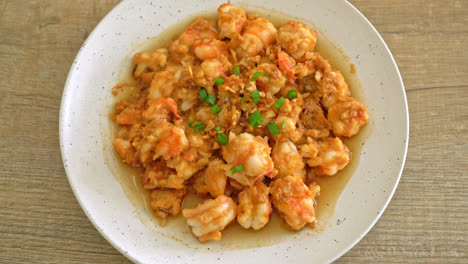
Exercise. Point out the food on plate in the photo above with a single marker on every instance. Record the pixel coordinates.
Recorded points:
(210, 217)
(244, 115)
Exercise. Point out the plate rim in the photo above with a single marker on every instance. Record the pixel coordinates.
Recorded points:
(400, 173)
(62, 121)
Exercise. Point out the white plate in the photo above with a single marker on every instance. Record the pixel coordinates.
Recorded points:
(87, 101)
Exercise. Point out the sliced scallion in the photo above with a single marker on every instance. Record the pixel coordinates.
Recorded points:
(255, 119)
(219, 81)
(255, 96)
(193, 124)
(237, 70)
(198, 128)
(279, 103)
(257, 74)
(223, 139)
(237, 168)
(203, 94)
(211, 100)
(215, 109)
(273, 127)
(292, 94)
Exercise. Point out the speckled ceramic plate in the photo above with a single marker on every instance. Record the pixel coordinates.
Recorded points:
(87, 101)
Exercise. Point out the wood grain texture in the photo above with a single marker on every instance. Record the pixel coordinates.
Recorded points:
(41, 221)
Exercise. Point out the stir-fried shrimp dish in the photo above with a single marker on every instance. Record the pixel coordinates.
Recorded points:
(243, 114)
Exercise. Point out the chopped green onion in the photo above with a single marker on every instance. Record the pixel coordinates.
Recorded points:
(193, 124)
(255, 119)
(237, 70)
(215, 109)
(242, 100)
(199, 128)
(274, 130)
(292, 94)
(218, 128)
(237, 168)
(222, 138)
(211, 100)
(257, 74)
(219, 81)
(279, 103)
(255, 96)
(203, 94)
(283, 125)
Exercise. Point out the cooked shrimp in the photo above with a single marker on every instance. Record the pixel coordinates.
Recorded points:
(292, 109)
(161, 109)
(198, 185)
(164, 82)
(180, 53)
(297, 38)
(211, 217)
(235, 186)
(333, 87)
(289, 130)
(246, 45)
(314, 120)
(206, 49)
(134, 133)
(209, 70)
(253, 153)
(214, 68)
(164, 140)
(287, 160)
(172, 142)
(202, 144)
(232, 85)
(304, 69)
(254, 207)
(286, 65)
(329, 155)
(149, 62)
(186, 165)
(263, 29)
(203, 114)
(309, 150)
(129, 116)
(125, 149)
(257, 35)
(287, 119)
(201, 28)
(166, 202)
(347, 117)
(294, 201)
(215, 177)
(231, 19)
(194, 159)
(187, 97)
(272, 81)
(157, 174)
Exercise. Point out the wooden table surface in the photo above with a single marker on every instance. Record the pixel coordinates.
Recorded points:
(41, 221)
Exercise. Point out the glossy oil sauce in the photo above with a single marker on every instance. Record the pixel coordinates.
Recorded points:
(234, 236)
